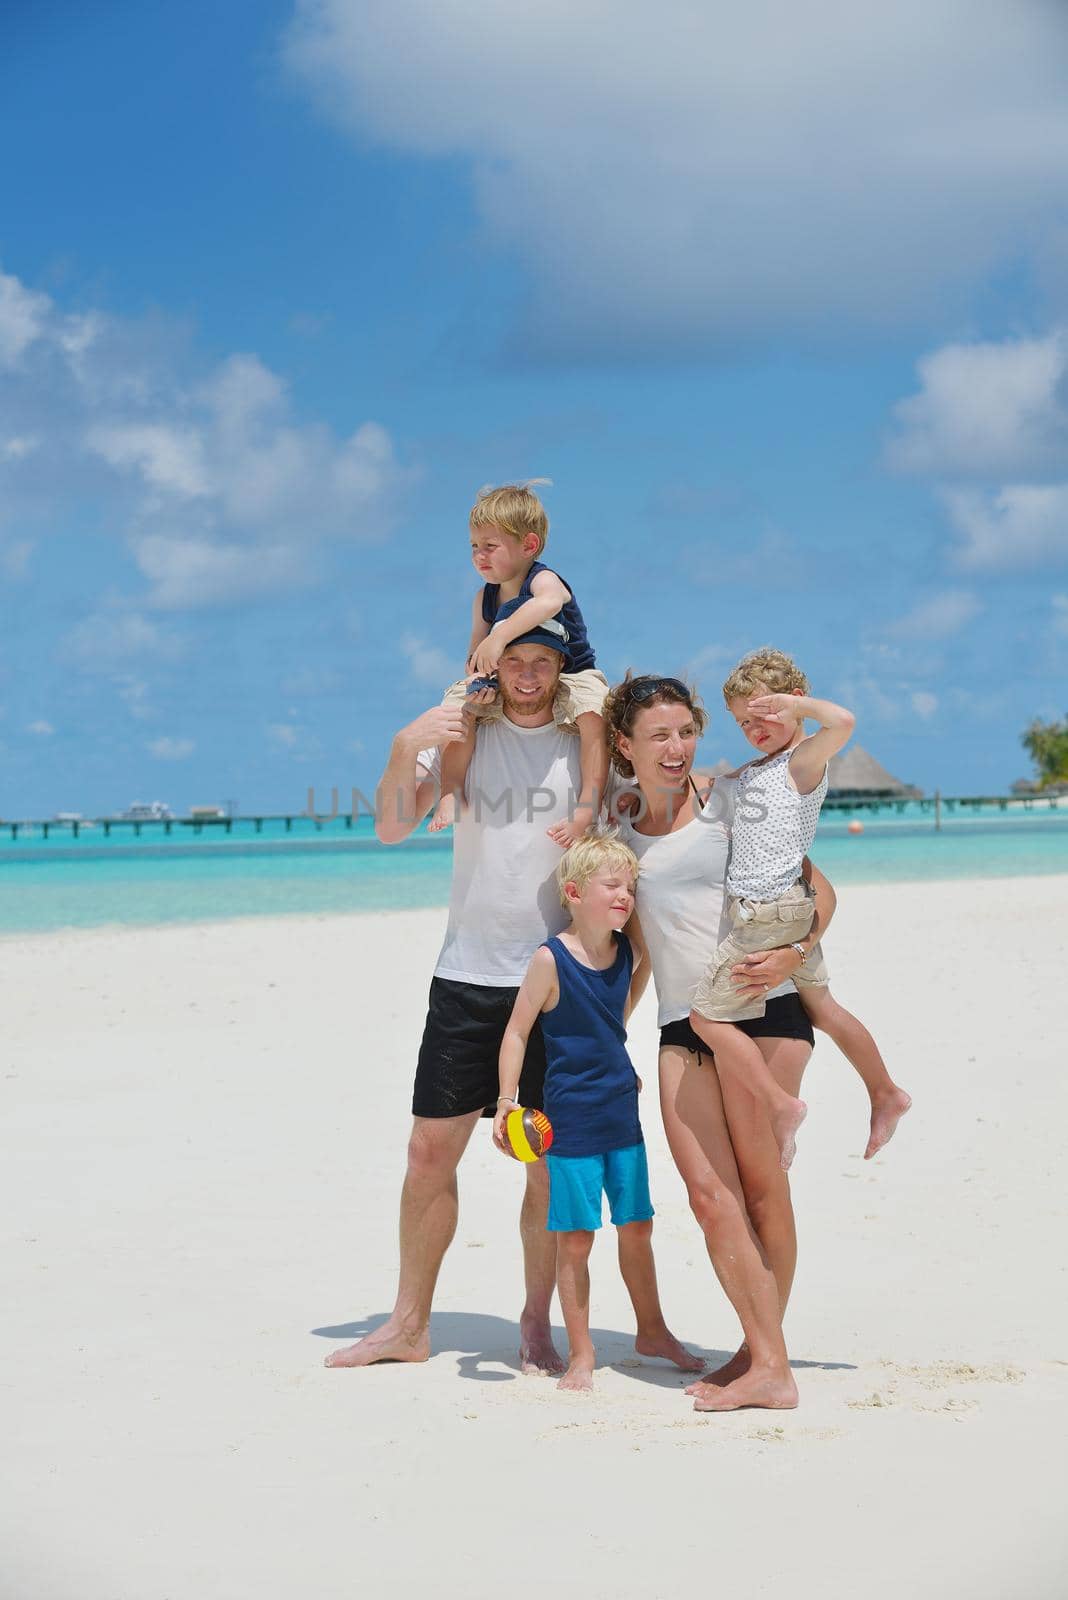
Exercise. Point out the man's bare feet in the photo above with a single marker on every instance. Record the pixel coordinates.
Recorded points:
(784, 1125)
(444, 814)
(720, 1377)
(578, 1377)
(538, 1356)
(770, 1391)
(570, 831)
(668, 1347)
(886, 1112)
(387, 1343)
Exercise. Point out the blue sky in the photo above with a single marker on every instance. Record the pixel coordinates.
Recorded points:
(781, 309)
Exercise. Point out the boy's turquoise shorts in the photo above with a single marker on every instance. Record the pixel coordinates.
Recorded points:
(576, 1184)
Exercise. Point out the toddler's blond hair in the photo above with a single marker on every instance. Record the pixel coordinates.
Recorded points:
(764, 671)
(515, 509)
(588, 855)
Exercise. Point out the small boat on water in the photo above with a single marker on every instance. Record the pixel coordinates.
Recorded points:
(148, 811)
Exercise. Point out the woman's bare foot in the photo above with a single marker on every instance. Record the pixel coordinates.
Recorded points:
(720, 1377)
(668, 1347)
(579, 1376)
(444, 815)
(538, 1356)
(387, 1343)
(886, 1112)
(784, 1125)
(570, 831)
(770, 1391)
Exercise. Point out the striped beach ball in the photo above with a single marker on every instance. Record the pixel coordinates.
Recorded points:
(527, 1134)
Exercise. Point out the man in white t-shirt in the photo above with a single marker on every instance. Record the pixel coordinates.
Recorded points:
(524, 775)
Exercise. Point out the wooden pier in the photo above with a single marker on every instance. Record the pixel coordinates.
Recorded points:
(45, 827)
(937, 806)
(932, 803)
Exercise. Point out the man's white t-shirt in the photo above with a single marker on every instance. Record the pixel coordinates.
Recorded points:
(504, 900)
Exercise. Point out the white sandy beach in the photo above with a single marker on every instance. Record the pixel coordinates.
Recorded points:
(202, 1144)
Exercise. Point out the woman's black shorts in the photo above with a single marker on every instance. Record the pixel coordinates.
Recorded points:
(457, 1069)
(784, 1018)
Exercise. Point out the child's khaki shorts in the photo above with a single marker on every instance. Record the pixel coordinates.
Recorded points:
(755, 926)
(578, 693)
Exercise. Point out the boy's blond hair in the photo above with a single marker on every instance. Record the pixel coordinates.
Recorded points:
(515, 509)
(588, 855)
(764, 671)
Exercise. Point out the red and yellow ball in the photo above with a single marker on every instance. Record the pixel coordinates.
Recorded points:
(527, 1134)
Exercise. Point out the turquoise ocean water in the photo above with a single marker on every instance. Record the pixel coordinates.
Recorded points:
(188, 876)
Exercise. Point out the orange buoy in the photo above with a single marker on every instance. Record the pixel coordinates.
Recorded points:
(856, 827)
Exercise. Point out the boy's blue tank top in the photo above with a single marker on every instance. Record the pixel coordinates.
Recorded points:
(591, 1093)
(580, 654)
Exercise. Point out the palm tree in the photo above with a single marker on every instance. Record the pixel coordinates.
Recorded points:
(1047, 745)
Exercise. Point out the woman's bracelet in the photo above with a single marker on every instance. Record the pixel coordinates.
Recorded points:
(507, 1100)
(802, 952)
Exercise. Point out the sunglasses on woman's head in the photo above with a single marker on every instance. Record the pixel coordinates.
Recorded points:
(642, 689)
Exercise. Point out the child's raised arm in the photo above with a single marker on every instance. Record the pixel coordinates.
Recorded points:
(547, 596)
(811, 756)
(479, 629)
(538, 992)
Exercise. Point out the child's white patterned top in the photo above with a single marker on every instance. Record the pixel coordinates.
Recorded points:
(773, 830)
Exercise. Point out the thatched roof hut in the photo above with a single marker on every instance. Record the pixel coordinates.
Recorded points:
(857, 775)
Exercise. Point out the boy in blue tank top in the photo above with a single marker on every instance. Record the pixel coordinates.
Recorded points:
(579, 984)
(509, 528)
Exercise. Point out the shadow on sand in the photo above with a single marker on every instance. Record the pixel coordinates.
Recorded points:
(476, 1339)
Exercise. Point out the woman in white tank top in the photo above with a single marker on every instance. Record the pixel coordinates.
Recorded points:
(719, 1137)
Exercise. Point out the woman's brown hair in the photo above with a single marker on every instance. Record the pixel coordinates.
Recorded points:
(634, 694)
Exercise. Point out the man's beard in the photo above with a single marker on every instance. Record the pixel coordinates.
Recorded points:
(526, 706)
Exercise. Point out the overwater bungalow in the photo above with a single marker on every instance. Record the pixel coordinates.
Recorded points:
(856, 775)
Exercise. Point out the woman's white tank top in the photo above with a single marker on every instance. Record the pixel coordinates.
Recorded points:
(682, 899)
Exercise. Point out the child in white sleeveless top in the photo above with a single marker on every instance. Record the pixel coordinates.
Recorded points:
(777, 808)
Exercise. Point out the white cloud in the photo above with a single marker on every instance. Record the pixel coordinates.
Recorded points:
(1022, 525)
(42, 729)
(872, 696)
(105, 641)
(681, 175)
(134, 694)
(170, 749)
(988, 409)
(428, 663)
(938, 616)
(312, 681)
(15, 557)
(254, 471)
(120, 415)
(18, 446)
(195, 572)
(711, 657)
(23, 316)
(168, 458)
(309, 324)
(924, 704)
(290, 738)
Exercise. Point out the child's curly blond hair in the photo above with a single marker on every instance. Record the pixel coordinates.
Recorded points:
(764, 671)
